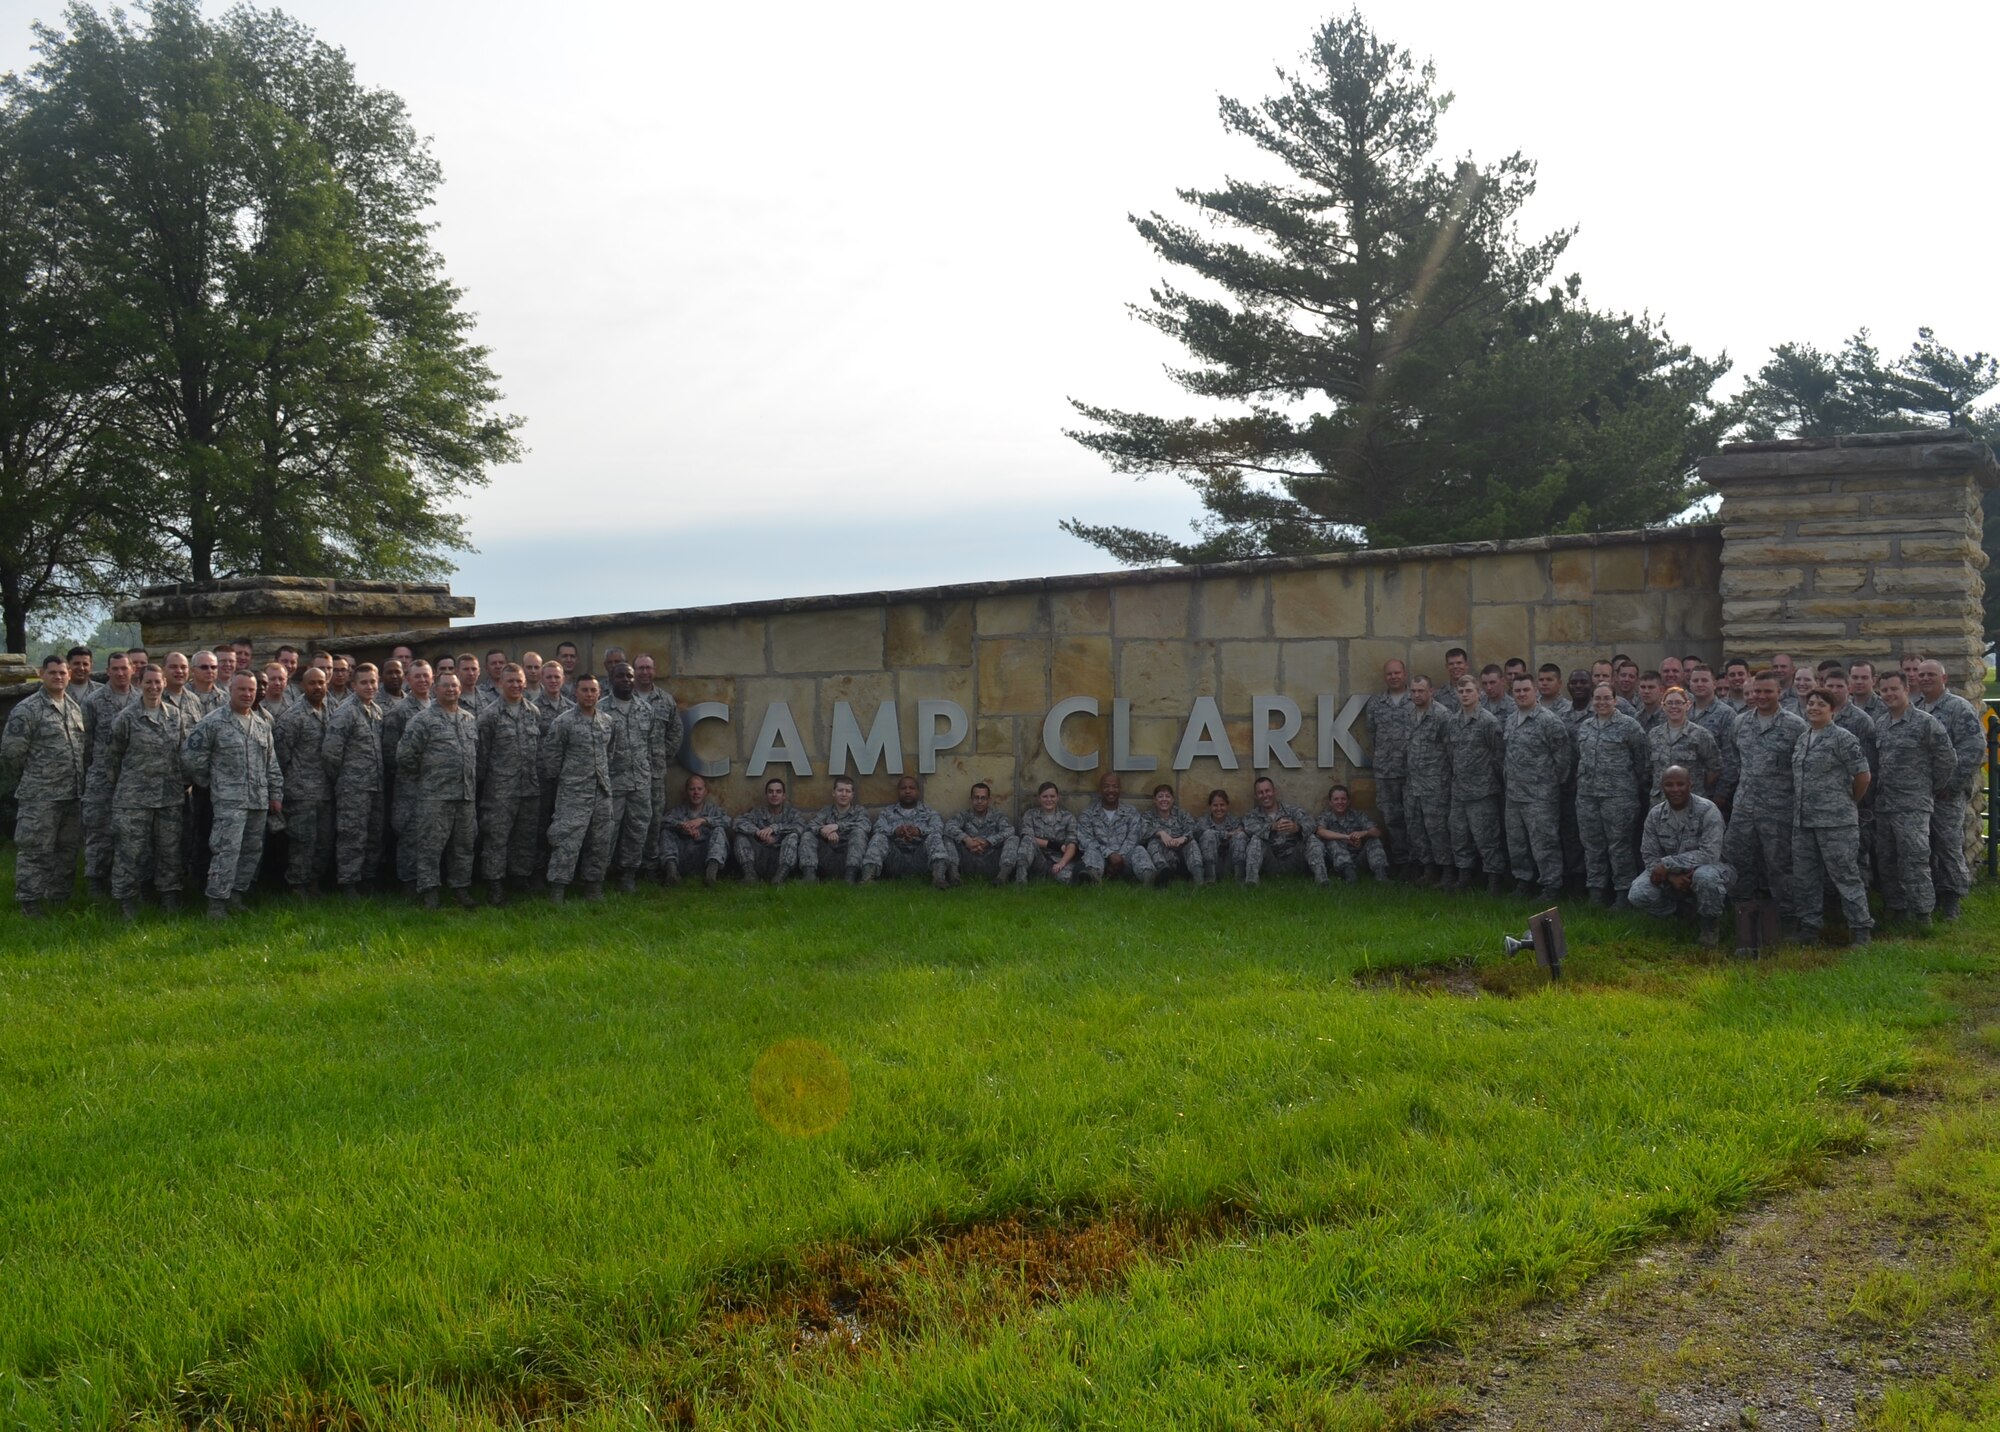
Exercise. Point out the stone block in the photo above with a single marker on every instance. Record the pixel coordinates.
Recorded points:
(1695, 614)
(1835, 581)
(1946, 500)
(1447, 599)
(729, 647)
(1629, 618)
(942, 684)
(1313, 665)
(1939, 548)
(1621, 569)
(1248, 669)
(1780, 635)
(1780, 551)
(1157, 610)
(864, 691)
(1672, 565)
(1010, 615)
(1562, 623)
(1792, 507)
(1762, 581)
(755, 694)
(1364, 662)
(1958, 577)
(1082, 667)
(1499, 632)
(1162, 678)
(1395, 601)
(1233, 607)
(1866, 527)
(849, 639)
(1013, 676)
(994, 736)
(1329, 602)
(1829, 608)
(1572, 574)
(930, 634)
(1154, 736)
(690, 689)
(1509, 577)
(1080, 611)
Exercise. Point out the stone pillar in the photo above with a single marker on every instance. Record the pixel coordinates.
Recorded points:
(304, 611)
(1860, 546)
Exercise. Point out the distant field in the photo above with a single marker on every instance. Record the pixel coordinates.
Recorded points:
(1108, 1158)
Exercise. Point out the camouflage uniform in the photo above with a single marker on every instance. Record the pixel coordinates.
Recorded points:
(631, 778)
(1537, 762)
(890, 855)
(400, 794)
(1917, 761)
(43, 750)
(299, 734)
(1221, 846)
(1719, 720)
(994, 828)
(698, 852)
(1025, 858)
(848, 849)
(547, 708)
(774, 862)
(101, 707)
(1478, 753)
(1826, 826)
(1428, 785)
(510, 789)
(1949, 871)
(352, 759)
(1572, 833)
(142, 753)
(237, 762)
(1103, 832)
(1872, 706)
(1691, 746)
(1339, 857)
(1389, 718)
(576, 756)
(213, 699)
(1758, 845)
(1687, 839)
(664, 736)
(439, 758)
(1267, 852)
(1179, 824)
(1613, 762)
(1853, 719)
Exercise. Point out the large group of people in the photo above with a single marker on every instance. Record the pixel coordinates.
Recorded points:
(1671, 791)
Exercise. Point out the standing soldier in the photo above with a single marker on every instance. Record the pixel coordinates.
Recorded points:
(1829, 778)
(1278, 839)
(1172, 839)
(1680, 854)
(1917, 762)
(438, 758)
(1949, 871)
(510, 787)
(1573, 712)
(1478, 753)
(1221, 836)
(1679, 740)
(143, 758)
(352, 757)
(550, 702)
(300, 736)
(1859, 724)
(1389, 715)
(977, 837)
(767, 839)
(1427, 786)
(631, 774)
(1536, 762)
(836, 836)
(1613, 772)
(1714, 715)
(398, 801)
(1046, 844)
(41, 759)
(1861, 684)
(908, 839)
(665, 733)
(697, 834)
(1759, 842)
(178, 692)
(489, 682)
(1650, 713)
(231, 755)
(101, 705)
(1351, 837)
(1113, 836)
(576, 754)
(1735, 692)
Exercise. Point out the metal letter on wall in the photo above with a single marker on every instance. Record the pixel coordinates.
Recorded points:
(1273, 744)
(1052, 733)
(1122, 758)
(1206, 735)
(1339, 731)
(692, 717)
(884, 740)
(778, 743)
(930, 740)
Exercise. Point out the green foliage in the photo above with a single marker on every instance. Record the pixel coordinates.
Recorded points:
(290, 376)
(1379, 347)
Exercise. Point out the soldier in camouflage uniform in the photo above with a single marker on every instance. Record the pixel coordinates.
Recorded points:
(1427, 785)
(299, 733)
(576, 756)
(908, 840)
(1536, 762)
(510, 787)
(1221, 837)
(397, 801)
(1478, 752)
(1173, 839)
(1949, 819)
(1861, 689)
(1680, 740)
(1046, 843)
(1758, 845)
(1574, 711)
(101, 705)
(42, 762)
(550, 701)
(352, 759)
(631, 774)
(438, 759)
(665, 734)
(1113, 836)
(1351, 837)
(1680, 855)
(696, 836)
(768, 838)
(1916, 761)
(1829, 778)
(231, 755)
(977, 838)
(143, 756)
(1613, 773)
(1389, 714)
(1278, 838)
(1650, 713)
(836, 837)
(1715, 716)
(1860, 725)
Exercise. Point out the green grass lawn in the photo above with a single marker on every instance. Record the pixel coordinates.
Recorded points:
(371, 1167)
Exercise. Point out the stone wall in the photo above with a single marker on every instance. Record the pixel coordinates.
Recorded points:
(299, 610)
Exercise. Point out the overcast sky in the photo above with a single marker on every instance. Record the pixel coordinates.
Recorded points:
(792, 295)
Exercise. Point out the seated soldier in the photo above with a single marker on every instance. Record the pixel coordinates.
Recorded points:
(908, 840)
(1171, 836)
(1351, 837)
(976, 838)
(768, 838)
(836, 837)
(1278, 839)
(1680, 852)
(1046, 844)
(696, 834)
(1113, 837)
(1220, 836)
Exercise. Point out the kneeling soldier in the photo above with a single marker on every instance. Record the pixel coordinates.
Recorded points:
(1351, 838)
(836, 837)
(1172, 839)
(696, 835)
(1220, 836)
(976, 838)
(767, 839)
(1047, 842)
(908, 840)
(1681, 852)
(1278, 839)
(1113, 837)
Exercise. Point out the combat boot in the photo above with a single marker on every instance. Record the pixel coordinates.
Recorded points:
(628, 882)
(1350, 875)
(128, 910)
(1601, 899)
(32, 910)
(98, 887)
(670, 874)
(1709, 936)
(352, 892)
(940, 875)
(1621, 901)
(808, 877)
(711, 873)
(593, 892)
(1495, 884)
(1426, 875)
(783, 874)
(869, 872)
(236, 905)
(427, 899)
(462, 897)
(217, 909)
(556, 889)
(1947, 906)
(1861, 937)
(170, 902)
(496, 893)
(1524, 887)
(1788, 931)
